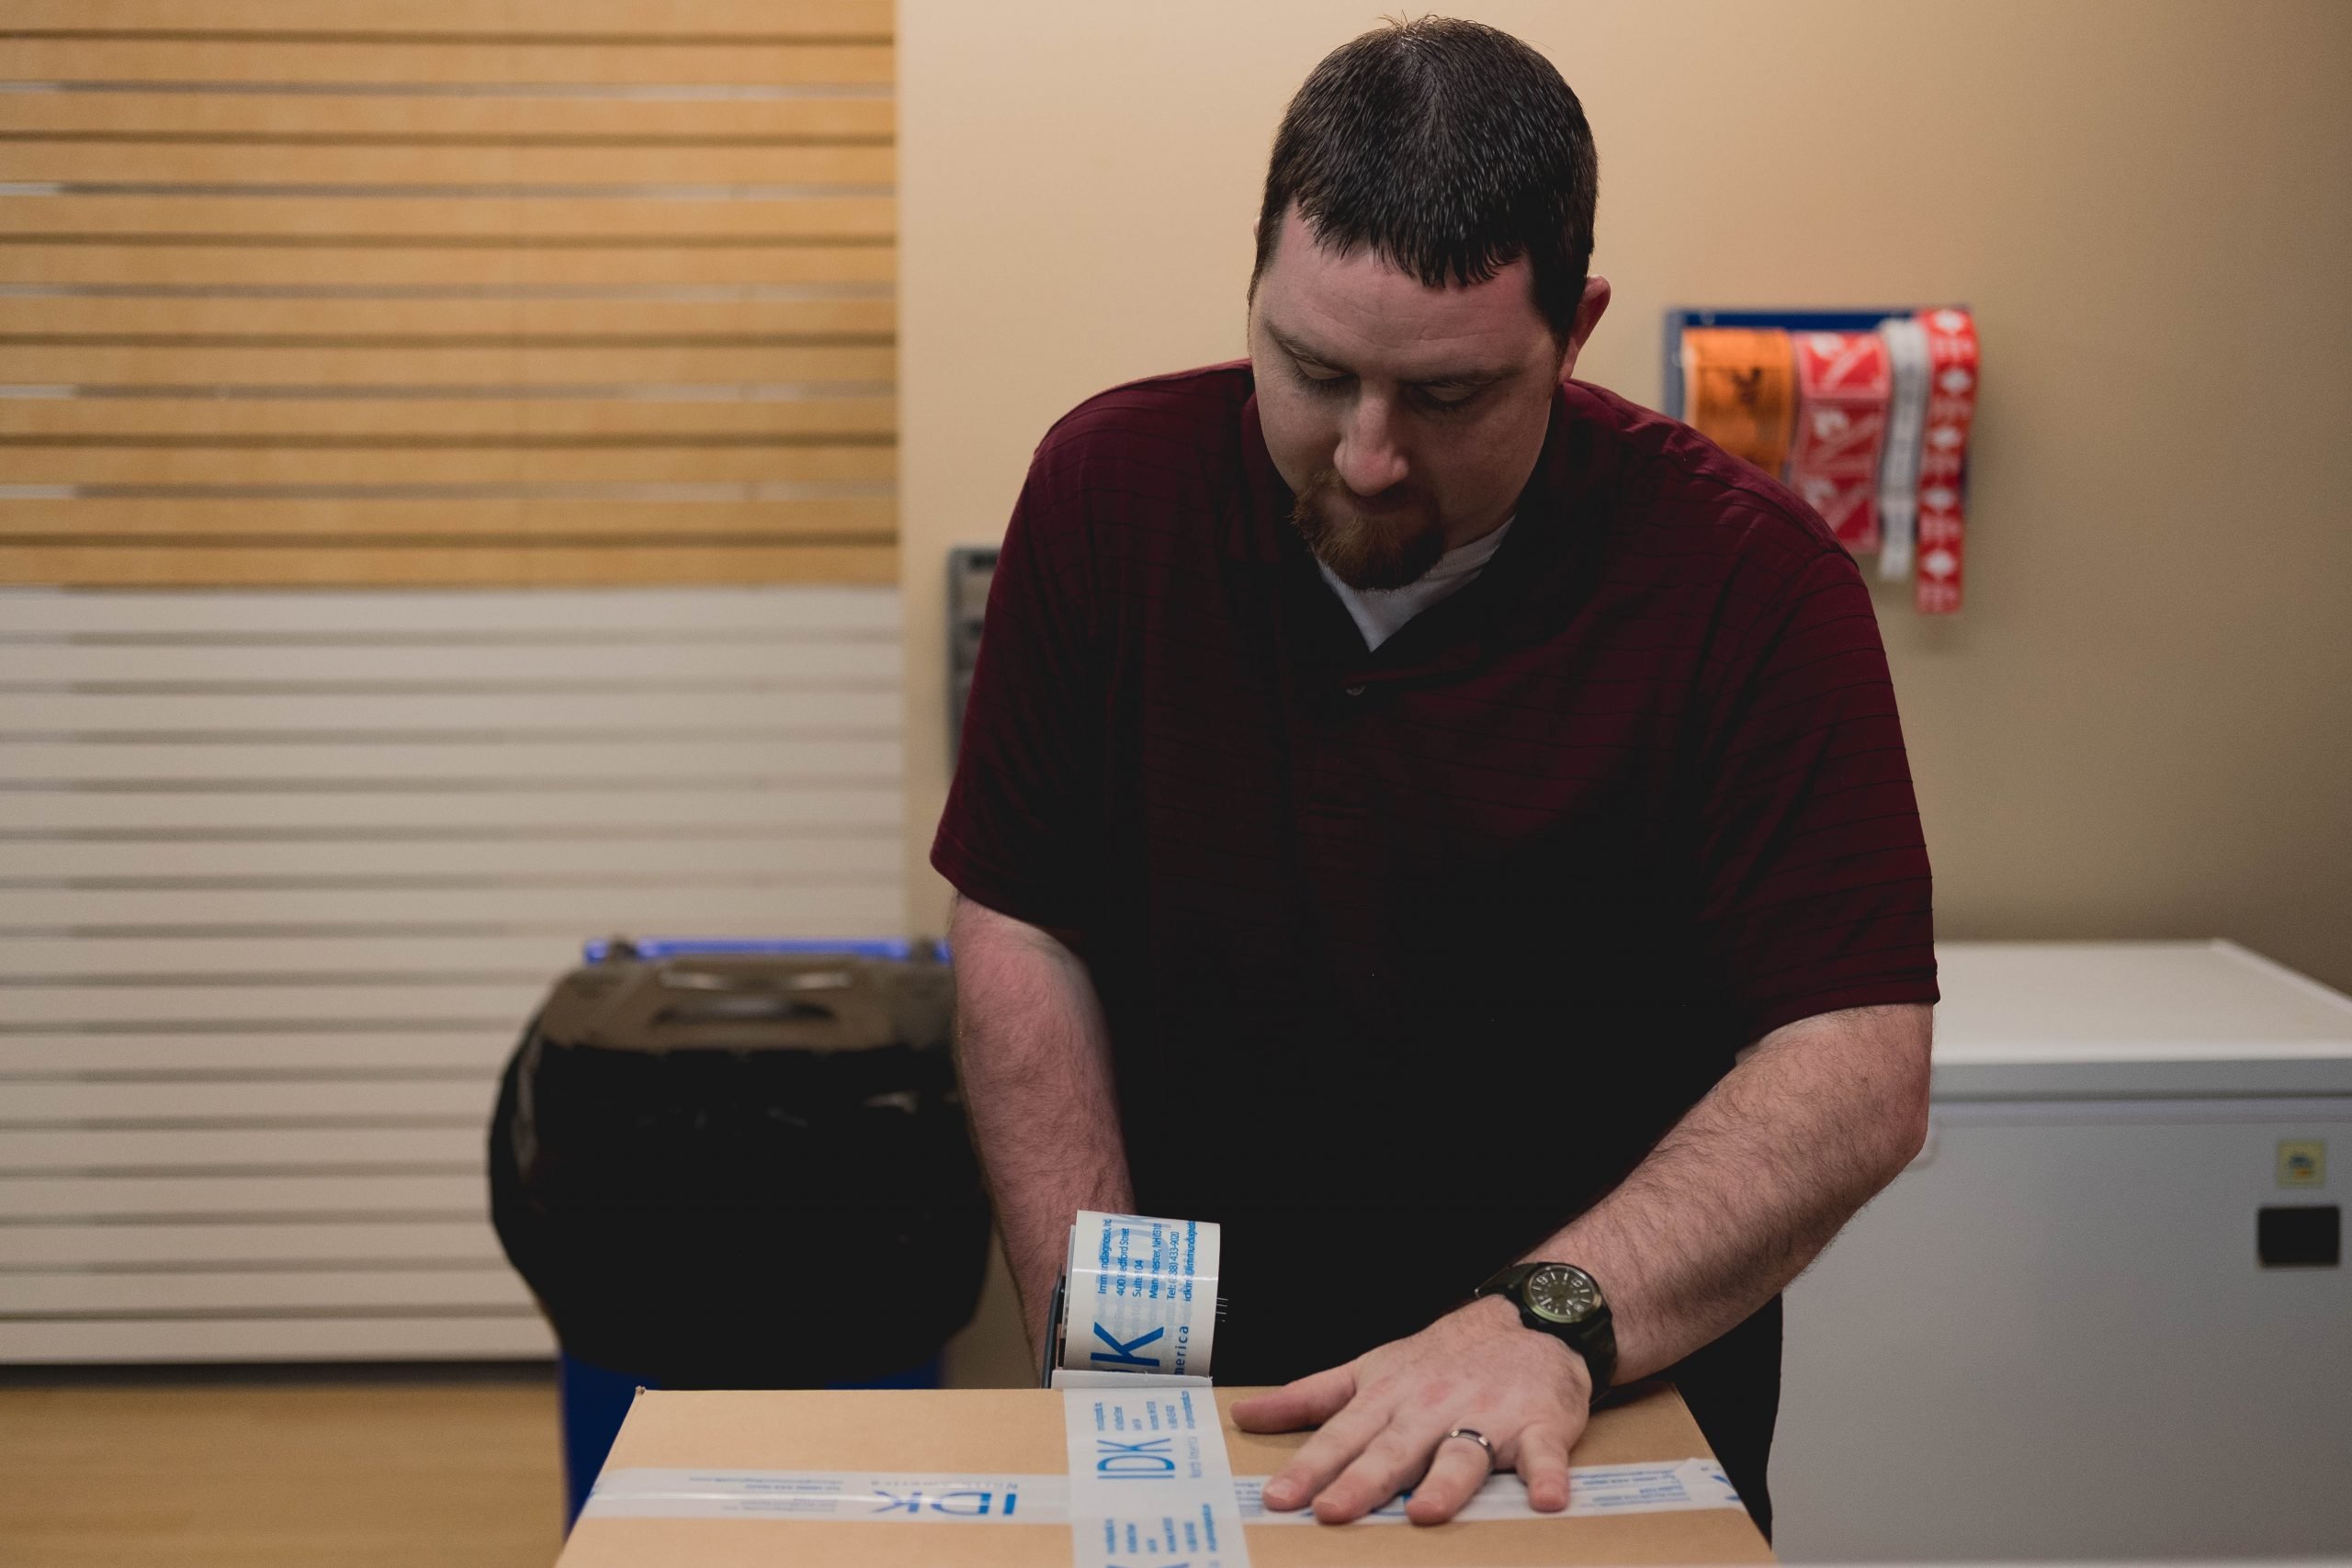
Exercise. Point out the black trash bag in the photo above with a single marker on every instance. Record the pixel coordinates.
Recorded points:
(742, 1172)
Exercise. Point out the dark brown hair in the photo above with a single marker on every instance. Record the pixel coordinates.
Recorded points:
(1451, 149)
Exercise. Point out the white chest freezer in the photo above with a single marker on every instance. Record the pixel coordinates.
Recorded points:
(2106, 1313)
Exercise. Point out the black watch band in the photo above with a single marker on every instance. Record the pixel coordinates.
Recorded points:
(1587, 1327)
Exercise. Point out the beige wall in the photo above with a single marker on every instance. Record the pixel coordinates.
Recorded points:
(2138, 727)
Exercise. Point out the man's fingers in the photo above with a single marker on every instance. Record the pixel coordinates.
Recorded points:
(1390, 1462)
(1324, 1455)
(1460, 1468)
(1308, 1402)
(1542, 1462)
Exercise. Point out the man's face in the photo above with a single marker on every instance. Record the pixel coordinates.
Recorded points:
(1405, 419)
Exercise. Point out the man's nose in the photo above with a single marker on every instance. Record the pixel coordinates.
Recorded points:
(1368, 460)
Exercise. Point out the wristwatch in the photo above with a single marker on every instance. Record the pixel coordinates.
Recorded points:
(1562, 1301)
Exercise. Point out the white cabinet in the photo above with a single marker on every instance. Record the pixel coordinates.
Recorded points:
(2054, 1336)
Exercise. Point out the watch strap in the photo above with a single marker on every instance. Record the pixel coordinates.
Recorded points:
(1594, 1339)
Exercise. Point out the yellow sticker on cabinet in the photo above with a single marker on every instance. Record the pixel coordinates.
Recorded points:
(2303, 1162)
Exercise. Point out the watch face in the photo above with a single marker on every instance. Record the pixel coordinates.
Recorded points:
(1562, 1293)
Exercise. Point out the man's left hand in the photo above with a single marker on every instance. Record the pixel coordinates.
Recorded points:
(1384, 1418)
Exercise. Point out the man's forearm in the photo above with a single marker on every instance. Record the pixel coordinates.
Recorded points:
(1035, 1063)
(1754, 1180)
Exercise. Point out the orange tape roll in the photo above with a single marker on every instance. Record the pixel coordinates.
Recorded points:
(1740, 391)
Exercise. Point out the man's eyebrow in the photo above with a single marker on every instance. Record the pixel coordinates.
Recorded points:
(1474, 376)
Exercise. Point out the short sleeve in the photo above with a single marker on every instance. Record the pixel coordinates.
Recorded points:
(1021, 833)
(1814, 885)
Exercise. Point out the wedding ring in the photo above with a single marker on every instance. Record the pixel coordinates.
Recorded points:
(1478, 1438)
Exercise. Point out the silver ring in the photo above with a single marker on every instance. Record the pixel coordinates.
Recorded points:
(1478, 1438)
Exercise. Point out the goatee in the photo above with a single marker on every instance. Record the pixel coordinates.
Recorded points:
(1367, 552)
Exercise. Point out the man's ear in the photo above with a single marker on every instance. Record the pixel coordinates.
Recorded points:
(1589, 311)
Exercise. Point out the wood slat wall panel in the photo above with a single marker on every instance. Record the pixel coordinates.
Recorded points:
(733, 662)
(796, 466)
(217, 959)
(709, 420)
(223, 162)
(869, 320)
(328, 564)
(631, 19)
(250, 1148)
(242, 1148)
(313, 119)
(178, 189)
(443, 765)
(293, 1101)
(229, 265)
(745, 807)
(283, 876)
(829, 853)
(514, 1334)
(378, 61)
(774, 908)
(175, 1056)
(657, 615)
(418, 1286)
(406, 294)
(53, 1199)
(114, 1245)
(495, 220)
(271, 369)
(864, 707)
(824, 316)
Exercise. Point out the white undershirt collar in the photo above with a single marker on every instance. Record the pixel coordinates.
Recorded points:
(1380, 613)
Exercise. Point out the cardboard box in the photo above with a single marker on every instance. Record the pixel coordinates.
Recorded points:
(1019, 1432)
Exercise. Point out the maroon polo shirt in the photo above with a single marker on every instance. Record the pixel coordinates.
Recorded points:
(1408, 955)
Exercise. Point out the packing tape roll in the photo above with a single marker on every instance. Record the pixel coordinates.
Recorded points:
(1740, 391)
(1906, 424)
(1139, 1296)
(1843, 387)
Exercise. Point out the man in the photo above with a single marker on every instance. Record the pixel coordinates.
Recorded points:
(1428, 815)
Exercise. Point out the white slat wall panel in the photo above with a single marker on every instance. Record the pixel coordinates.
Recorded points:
(283, 873)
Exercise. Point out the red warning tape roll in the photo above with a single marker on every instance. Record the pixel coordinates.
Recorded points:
(1843, 383)
(1952, 411)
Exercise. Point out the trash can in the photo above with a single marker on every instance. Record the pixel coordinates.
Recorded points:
(738, 1164)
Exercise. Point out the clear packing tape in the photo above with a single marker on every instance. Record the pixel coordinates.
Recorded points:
(1870, 428)
(921, 1498)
